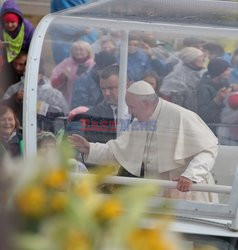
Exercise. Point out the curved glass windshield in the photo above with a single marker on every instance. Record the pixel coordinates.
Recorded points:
(158, 100)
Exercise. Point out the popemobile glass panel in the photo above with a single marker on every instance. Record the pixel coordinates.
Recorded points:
(156, 83)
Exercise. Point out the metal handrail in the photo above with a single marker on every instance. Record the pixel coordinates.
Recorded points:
(119, 180)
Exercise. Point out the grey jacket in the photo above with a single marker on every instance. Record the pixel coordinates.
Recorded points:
(45, 93)
(181, 86)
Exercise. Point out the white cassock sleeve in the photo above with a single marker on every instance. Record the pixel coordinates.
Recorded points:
(100, 153)
(200, 166)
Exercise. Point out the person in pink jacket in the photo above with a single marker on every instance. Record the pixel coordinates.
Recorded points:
(64, 74)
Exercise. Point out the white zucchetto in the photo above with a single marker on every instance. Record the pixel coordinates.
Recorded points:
(141, 88)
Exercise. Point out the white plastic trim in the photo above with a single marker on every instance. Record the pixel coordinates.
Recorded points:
(30, 87)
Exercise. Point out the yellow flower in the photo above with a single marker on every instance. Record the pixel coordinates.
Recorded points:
(32, 201)
(84, 188)
(76, 240)
(58, 202)
(147, 239)
(111, 208)
(56, 178)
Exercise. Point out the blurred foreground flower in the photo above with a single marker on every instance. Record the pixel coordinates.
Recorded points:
(31, 201)
(56, 210)
(110, 209)
(143, 239)
(56, 178)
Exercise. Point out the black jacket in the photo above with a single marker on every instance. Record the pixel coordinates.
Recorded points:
(13, 146)
(207, 108)
(97, 125)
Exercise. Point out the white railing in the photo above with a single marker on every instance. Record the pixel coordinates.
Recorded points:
(160, 183)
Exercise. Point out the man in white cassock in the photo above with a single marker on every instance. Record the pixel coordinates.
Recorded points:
(176, 145)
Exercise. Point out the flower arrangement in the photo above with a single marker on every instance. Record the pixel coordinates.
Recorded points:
(53, 211)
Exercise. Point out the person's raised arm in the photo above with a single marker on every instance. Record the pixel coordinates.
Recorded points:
(95, 153)
(80, 143)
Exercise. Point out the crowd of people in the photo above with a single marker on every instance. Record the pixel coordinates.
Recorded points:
(199, 76)
(15, 37)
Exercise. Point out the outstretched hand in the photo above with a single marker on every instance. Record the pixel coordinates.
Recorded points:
(184, 184)
(79, 143)
(221, 95)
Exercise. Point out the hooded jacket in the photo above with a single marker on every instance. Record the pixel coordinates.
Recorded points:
(11, 6)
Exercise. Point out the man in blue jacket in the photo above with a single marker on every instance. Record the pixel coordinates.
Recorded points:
(57, 5)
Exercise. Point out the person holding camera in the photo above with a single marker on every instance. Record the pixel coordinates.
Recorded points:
(213, 90)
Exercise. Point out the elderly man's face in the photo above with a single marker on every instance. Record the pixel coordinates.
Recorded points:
(109, 89)
(137, 107)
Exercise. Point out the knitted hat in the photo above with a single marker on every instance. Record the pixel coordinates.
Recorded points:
(233, 100)
(216, 67)
(11, 18)
(189, 54)
(141, 88)
(104, 59)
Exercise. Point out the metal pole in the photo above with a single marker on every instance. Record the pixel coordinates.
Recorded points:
(122, 79)
(234, 203)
